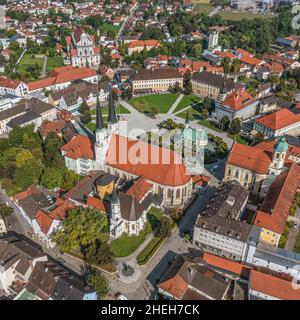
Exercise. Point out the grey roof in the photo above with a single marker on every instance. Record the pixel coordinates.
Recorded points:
(23, 119)
(215, 80)
(278, 256)
(13, 250)
(200, 278)
(99, 118)
(222, 211)
(33, 104)
(112, 118)
(131, 209)
(50, 280)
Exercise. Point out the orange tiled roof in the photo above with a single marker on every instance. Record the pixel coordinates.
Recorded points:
(225, 54)
(97, 204)
(52, 126)
(273, 286)
(250, 60)
(139, 189)
(279, 119)
(9, 83)
(143, 43)
(251, 158)
(238, 100)
(225, 264)
(153, 163)
(278, 201)
(79, 147)
(175, 286)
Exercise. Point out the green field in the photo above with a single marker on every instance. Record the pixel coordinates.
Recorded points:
(186, 101)
(161, 102)
(126, 245)
(109, 26)
(193, 114)
(149, 251)
(207, 124)
(28, 60)
(297, 244)
(237, 16)
(238, 138)
(54, 62)
(203, 8)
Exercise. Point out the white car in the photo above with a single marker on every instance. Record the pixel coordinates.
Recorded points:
(120, 296)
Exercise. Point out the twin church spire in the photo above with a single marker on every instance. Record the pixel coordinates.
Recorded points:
(112, 117)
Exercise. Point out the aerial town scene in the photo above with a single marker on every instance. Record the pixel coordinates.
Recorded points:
(149, 150)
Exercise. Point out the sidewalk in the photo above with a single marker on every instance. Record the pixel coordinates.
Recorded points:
(175, 104)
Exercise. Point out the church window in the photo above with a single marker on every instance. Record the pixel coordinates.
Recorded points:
(178, 193)
(169, 193)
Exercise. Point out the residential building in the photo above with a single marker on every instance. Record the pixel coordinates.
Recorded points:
(63, 77)
(26, 112)
(140, 45)
(237, 104)
(157, 80)
(15, 87)
(17, 261)
(278, 123)
(82, 51)
(273, 214)
(186, 279)
(218, 228)
(207, 84)
(264, 286)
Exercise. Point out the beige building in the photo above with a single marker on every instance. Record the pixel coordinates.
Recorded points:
(158, 80)
(206, 84)
(140, 45)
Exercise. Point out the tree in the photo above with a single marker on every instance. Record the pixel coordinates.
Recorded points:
(23, 157)
(235, 126)
(52, 177)
(70, 179)
(164, 228)
(5, 211)
(52, 155)
(226, 64)
(98, 253)
(204, 113)
(28, 174)
(224, 123)
(176, 88)
(128, 93)
(187, 85)
(99, 283)
(81, 228)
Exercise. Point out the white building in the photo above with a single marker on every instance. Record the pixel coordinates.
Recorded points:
(82, 50)
(15, 87)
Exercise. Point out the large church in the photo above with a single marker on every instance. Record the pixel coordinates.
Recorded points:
(113, 152)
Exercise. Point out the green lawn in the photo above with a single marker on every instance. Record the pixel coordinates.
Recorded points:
(54, 62)
(109, 26)
(207, 124)
(149, 251)
(126, 245)
(161, 102)
(297, 244)
(203, 8)
(193, 114)
(237, 16)
(28, 60)
(238, 138)
(186, 101)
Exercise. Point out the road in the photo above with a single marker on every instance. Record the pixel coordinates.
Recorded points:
(125, 21)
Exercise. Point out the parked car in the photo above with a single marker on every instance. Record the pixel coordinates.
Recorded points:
(295, 225)
(61, 260)
(120, 296)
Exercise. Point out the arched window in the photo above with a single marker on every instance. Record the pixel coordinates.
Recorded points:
(178, 193)
(170, 193)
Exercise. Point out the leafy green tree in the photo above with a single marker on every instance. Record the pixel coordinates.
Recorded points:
(99, 283)
(70, 179)
(28, 174)
(235, 126)
(164, 227)
(224, 123)
(52, 155)
(98, 253)
(81, 228)
(5, 211)
(52, 177)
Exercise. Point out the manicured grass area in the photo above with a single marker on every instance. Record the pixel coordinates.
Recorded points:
(297, 244)
(237, 16)
(149, 250)
(109, 26)
(126, 245)
(54, 62)
(193, 114)
(203, 8)
(119, 110)
(186, 101)
(207, 124)
(28, 60)
(91, 126)
(161, 102)
(238, 138)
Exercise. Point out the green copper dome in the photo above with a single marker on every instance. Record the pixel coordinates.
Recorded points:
(281, 145)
